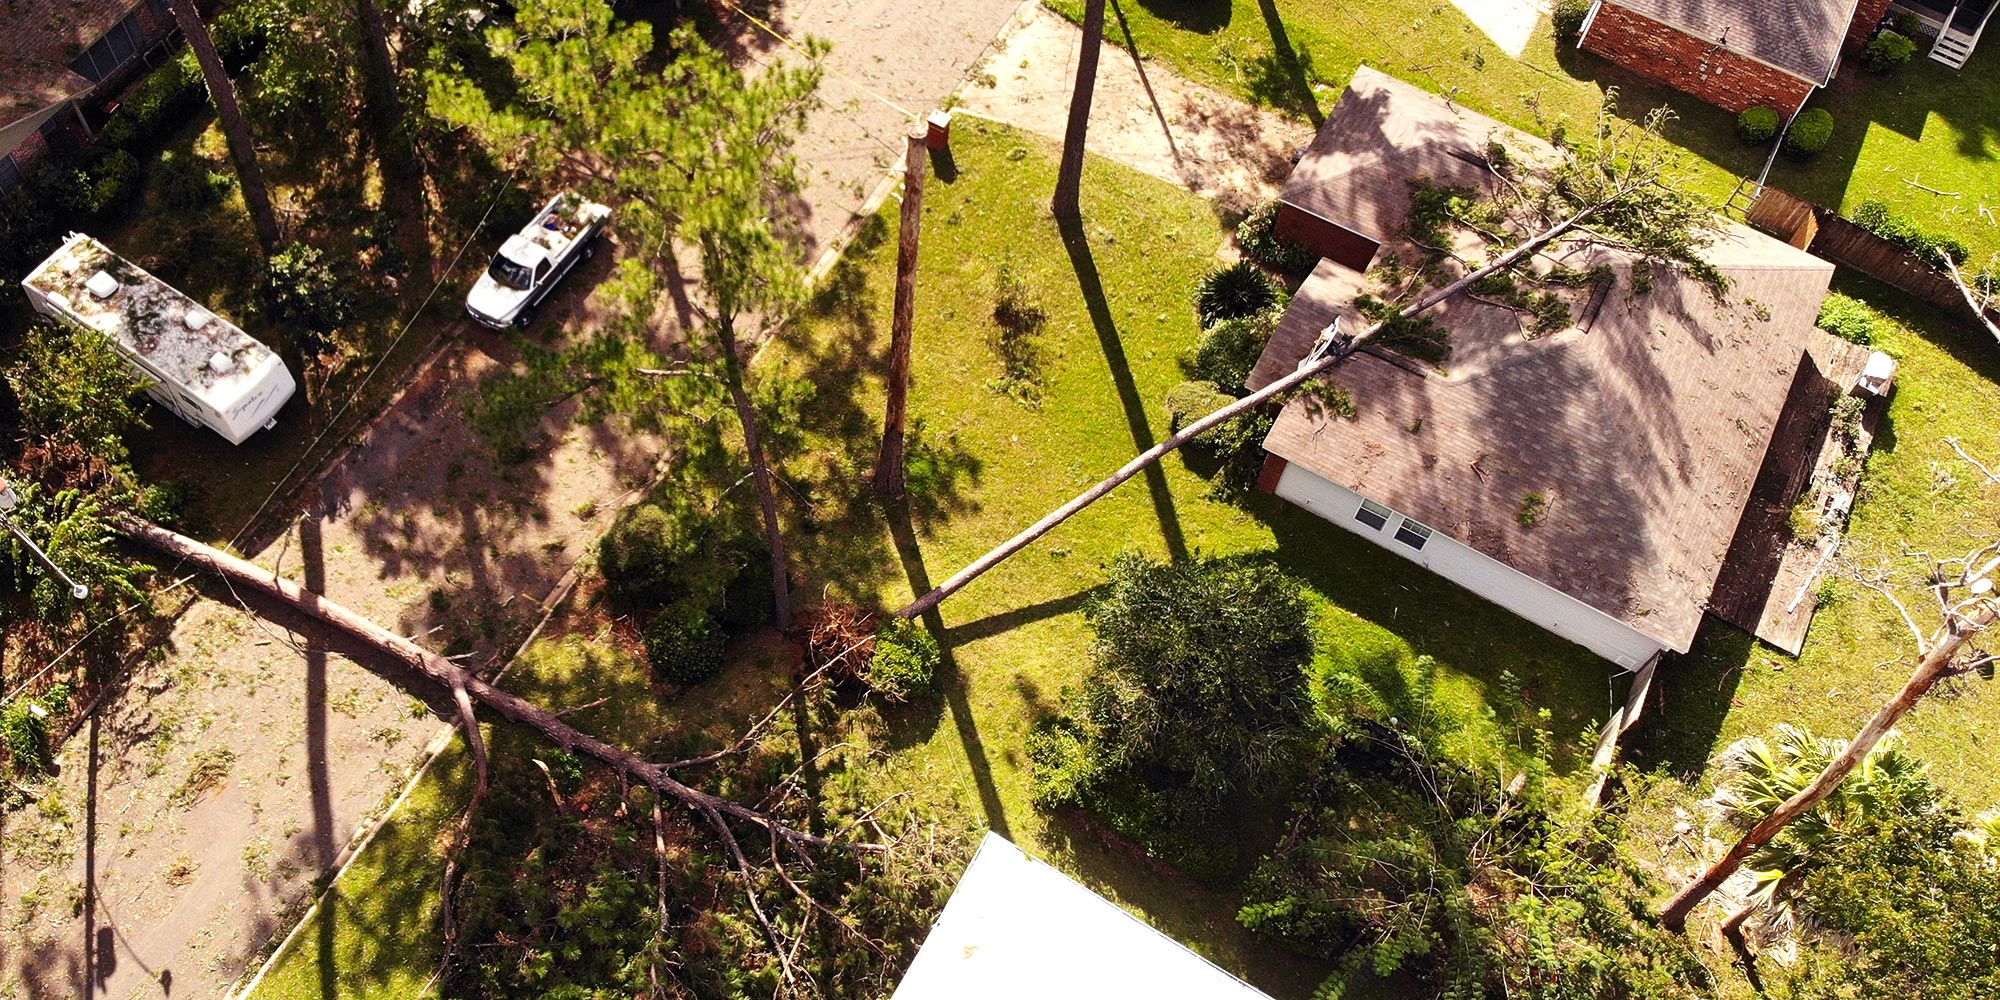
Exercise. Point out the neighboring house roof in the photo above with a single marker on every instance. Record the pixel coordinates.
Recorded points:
(1017, 929)
(1802, 37)
(1355, 172)
(38, 40)
(1643, 425)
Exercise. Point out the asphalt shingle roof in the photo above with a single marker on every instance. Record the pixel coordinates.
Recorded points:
(1643, 426)
(1798, 36)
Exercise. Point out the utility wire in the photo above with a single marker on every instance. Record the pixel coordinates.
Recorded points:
(285, 480)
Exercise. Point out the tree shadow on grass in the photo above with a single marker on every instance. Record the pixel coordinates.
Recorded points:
(951, 680)
(1283, 78)
(1077, 243)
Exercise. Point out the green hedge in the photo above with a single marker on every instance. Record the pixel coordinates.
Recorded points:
(1568, 19)
(1887, 51)
(1932, 248)
(1809, 134)
(1261, 242)
(1757, 125)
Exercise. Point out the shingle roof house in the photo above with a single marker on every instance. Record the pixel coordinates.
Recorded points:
(1738, 54)
(1630, 439)
(56, 53)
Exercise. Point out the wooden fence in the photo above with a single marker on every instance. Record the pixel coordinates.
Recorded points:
(1823, 232)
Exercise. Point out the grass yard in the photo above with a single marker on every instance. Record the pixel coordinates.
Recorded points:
(1925, 123)
(1119, 316)
(986, 465)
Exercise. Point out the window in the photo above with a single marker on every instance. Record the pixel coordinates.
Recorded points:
(111, 51)
(10, 174)
(1412, 534)
(1372, 514)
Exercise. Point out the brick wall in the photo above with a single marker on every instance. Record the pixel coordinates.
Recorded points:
(1336, 243)
(1692, 65)
(1867, 15)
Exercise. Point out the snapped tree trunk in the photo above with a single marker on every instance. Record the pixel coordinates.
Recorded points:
(242, 148)
(450, 678)
(1297, 378)
(1931, 667)
(760, 472)
(889, 477)
(1069, 178)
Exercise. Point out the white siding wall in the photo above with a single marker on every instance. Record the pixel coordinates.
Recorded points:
(1475, 571)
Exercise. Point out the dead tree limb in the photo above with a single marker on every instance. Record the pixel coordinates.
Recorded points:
(1978, 303)
(469, 721)
(1305, 373)
(449, 676)
(1935, 663)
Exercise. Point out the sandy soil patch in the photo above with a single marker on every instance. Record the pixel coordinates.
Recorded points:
(1142, 115)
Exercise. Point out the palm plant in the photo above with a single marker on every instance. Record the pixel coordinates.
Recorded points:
(1763, 774)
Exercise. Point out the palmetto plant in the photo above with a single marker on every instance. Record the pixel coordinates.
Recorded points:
(1763, 774)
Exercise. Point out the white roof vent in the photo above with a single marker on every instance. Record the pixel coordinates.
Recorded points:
(1880, 373)
(196, 319)
(221, 362)
(102, 284)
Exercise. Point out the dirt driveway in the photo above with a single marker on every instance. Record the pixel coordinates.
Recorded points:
(239, 764)
(1142, 114)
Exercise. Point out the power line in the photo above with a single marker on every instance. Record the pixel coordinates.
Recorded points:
(285, 480)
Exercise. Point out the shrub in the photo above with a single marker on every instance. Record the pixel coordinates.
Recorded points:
(305, 293)
(1196, 700)
(1230, 350)
(642, 554)
(1568, 19)
(1887, 51)
(26, 736)
(187, 185)
(1809, 134)
(1233, 292)
(1262, 244)
(155, 106)
(1849, 319)
(683, 645)
(1757, 125)
(906, 660)
(1932, 248)
(1191, 401)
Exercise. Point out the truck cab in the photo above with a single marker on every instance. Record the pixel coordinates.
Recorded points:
(531, 262)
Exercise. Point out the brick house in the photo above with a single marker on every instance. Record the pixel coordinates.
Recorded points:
(59, 58)
(1736, 54)
(1614, 481)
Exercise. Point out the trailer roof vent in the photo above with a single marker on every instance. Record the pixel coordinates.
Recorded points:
(196, 319)
(102, 284)
(221, 362)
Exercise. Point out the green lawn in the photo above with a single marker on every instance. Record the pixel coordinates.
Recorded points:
(1119, 317)
(1925, 123)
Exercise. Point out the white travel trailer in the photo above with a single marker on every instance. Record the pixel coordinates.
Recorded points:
(201, 366)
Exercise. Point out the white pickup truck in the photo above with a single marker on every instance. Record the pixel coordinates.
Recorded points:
(531, 261)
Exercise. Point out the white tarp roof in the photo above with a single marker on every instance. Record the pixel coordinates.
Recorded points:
(1017, 929)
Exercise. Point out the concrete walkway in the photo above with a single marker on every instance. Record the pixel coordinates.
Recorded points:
(239, 766)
